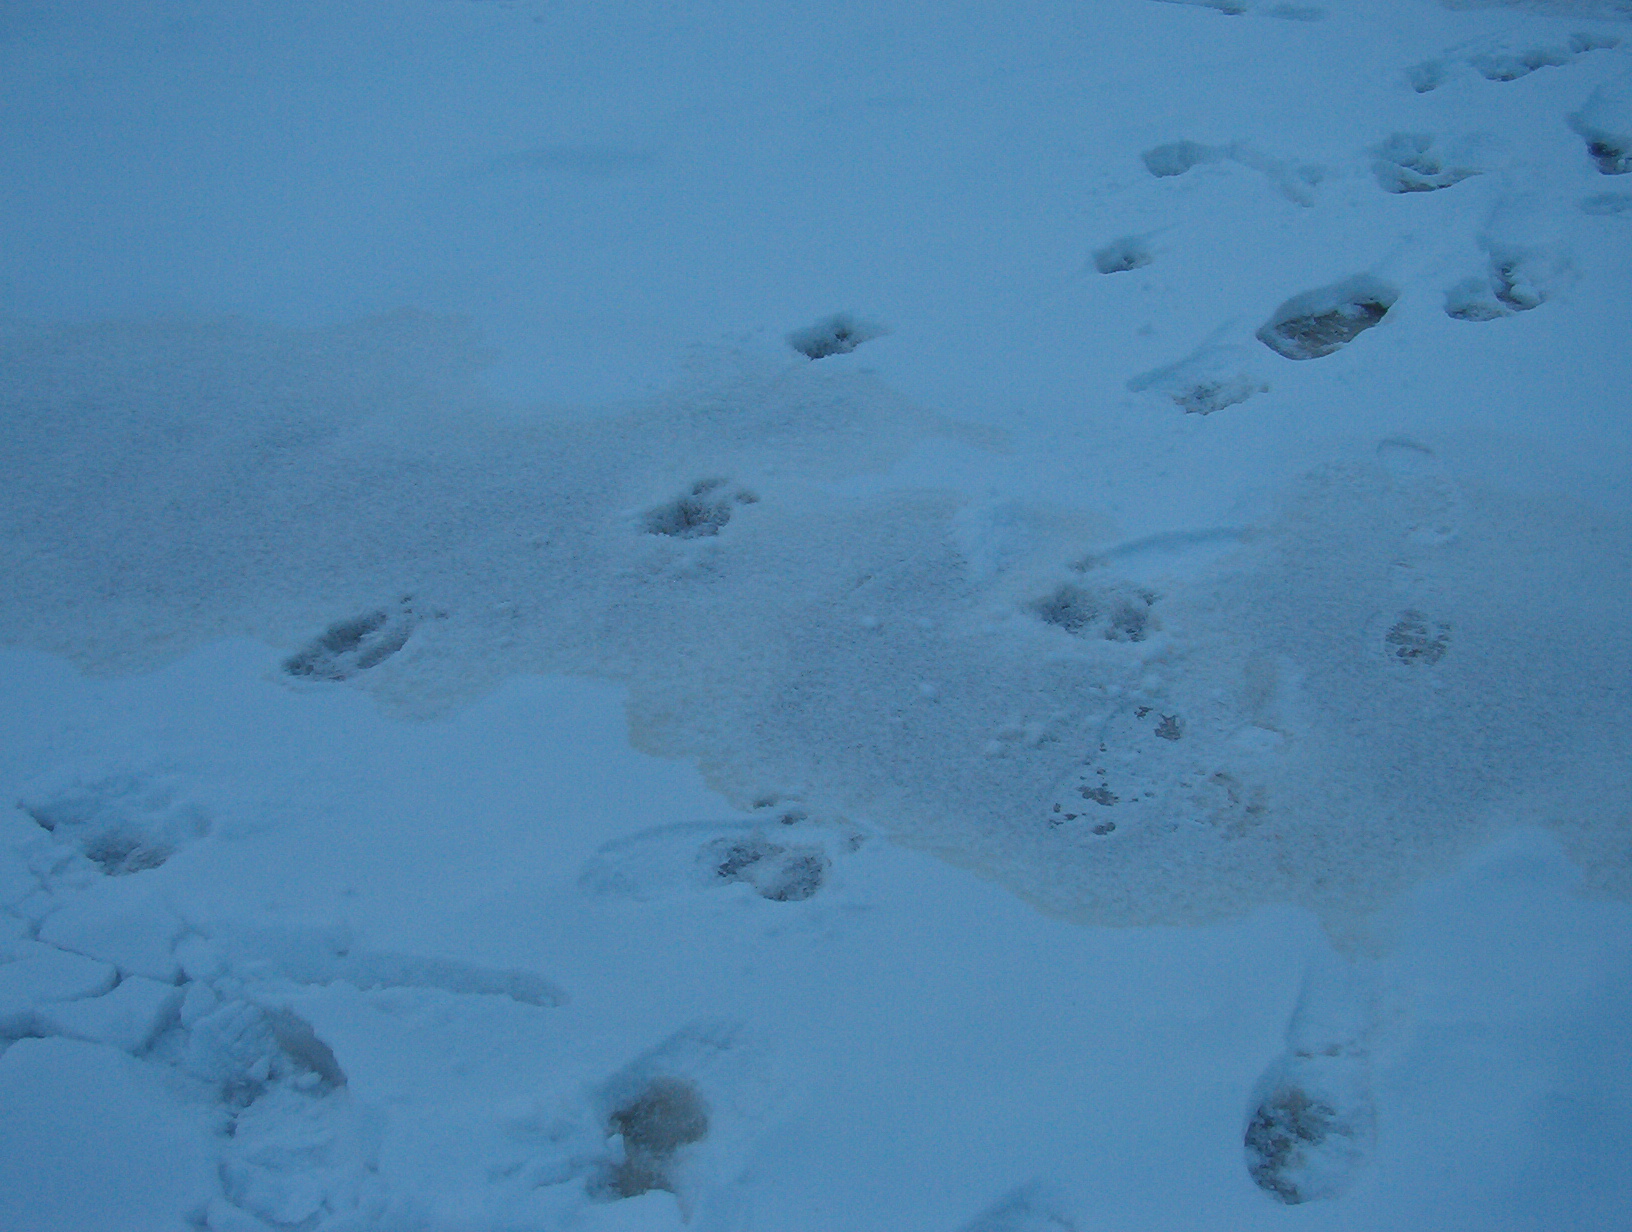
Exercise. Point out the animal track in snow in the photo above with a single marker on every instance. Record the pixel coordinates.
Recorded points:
(678, 1119)
(1604, 122)
(661, 1117)
(350, 647)
(1516, 280)
(785, 864)
(1319, 322)
(1144, 768)
(1209, 379)
(1414, 638)
(835, 335)
(1130, 252)
(1423, 484)
(703, 510)
(1235, 8)
(1031, 1208)
(1414, 162)
(778, 872)
(1292, 181)
(1607, 205)
(1115, 613)
(1313, 1125)
(1504, 62)
(122, 823)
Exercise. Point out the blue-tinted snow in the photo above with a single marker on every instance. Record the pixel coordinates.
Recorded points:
(459, 355)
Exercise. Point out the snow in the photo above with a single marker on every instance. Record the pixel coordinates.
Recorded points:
(738, 617)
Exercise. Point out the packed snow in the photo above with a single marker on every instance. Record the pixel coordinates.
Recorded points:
(736, 617)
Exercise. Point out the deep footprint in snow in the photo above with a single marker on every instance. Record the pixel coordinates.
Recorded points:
(242, 1048)
(1178, 157)
(122, 823)
(680, 1118)
(1292, 181)
(1604, 122)
(1327, 319)
(1517, 280)
(350, 647)
(703, 510)
(295, 1151)
(1414, 163)
(1313, 1125)
(835, 335)
(1299, 1145)
(663, 1116)
(1129, 252)
(1504, 62)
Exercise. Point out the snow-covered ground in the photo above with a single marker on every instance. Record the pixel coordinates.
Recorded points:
(744, 616)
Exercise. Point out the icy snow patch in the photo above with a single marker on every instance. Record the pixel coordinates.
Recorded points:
(874, 653)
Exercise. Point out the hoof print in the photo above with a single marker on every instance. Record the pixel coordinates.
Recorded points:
(1327, 319)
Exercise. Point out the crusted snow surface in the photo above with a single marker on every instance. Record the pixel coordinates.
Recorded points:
(497, 737)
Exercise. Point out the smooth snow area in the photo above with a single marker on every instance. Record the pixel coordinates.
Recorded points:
(1005, 618)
